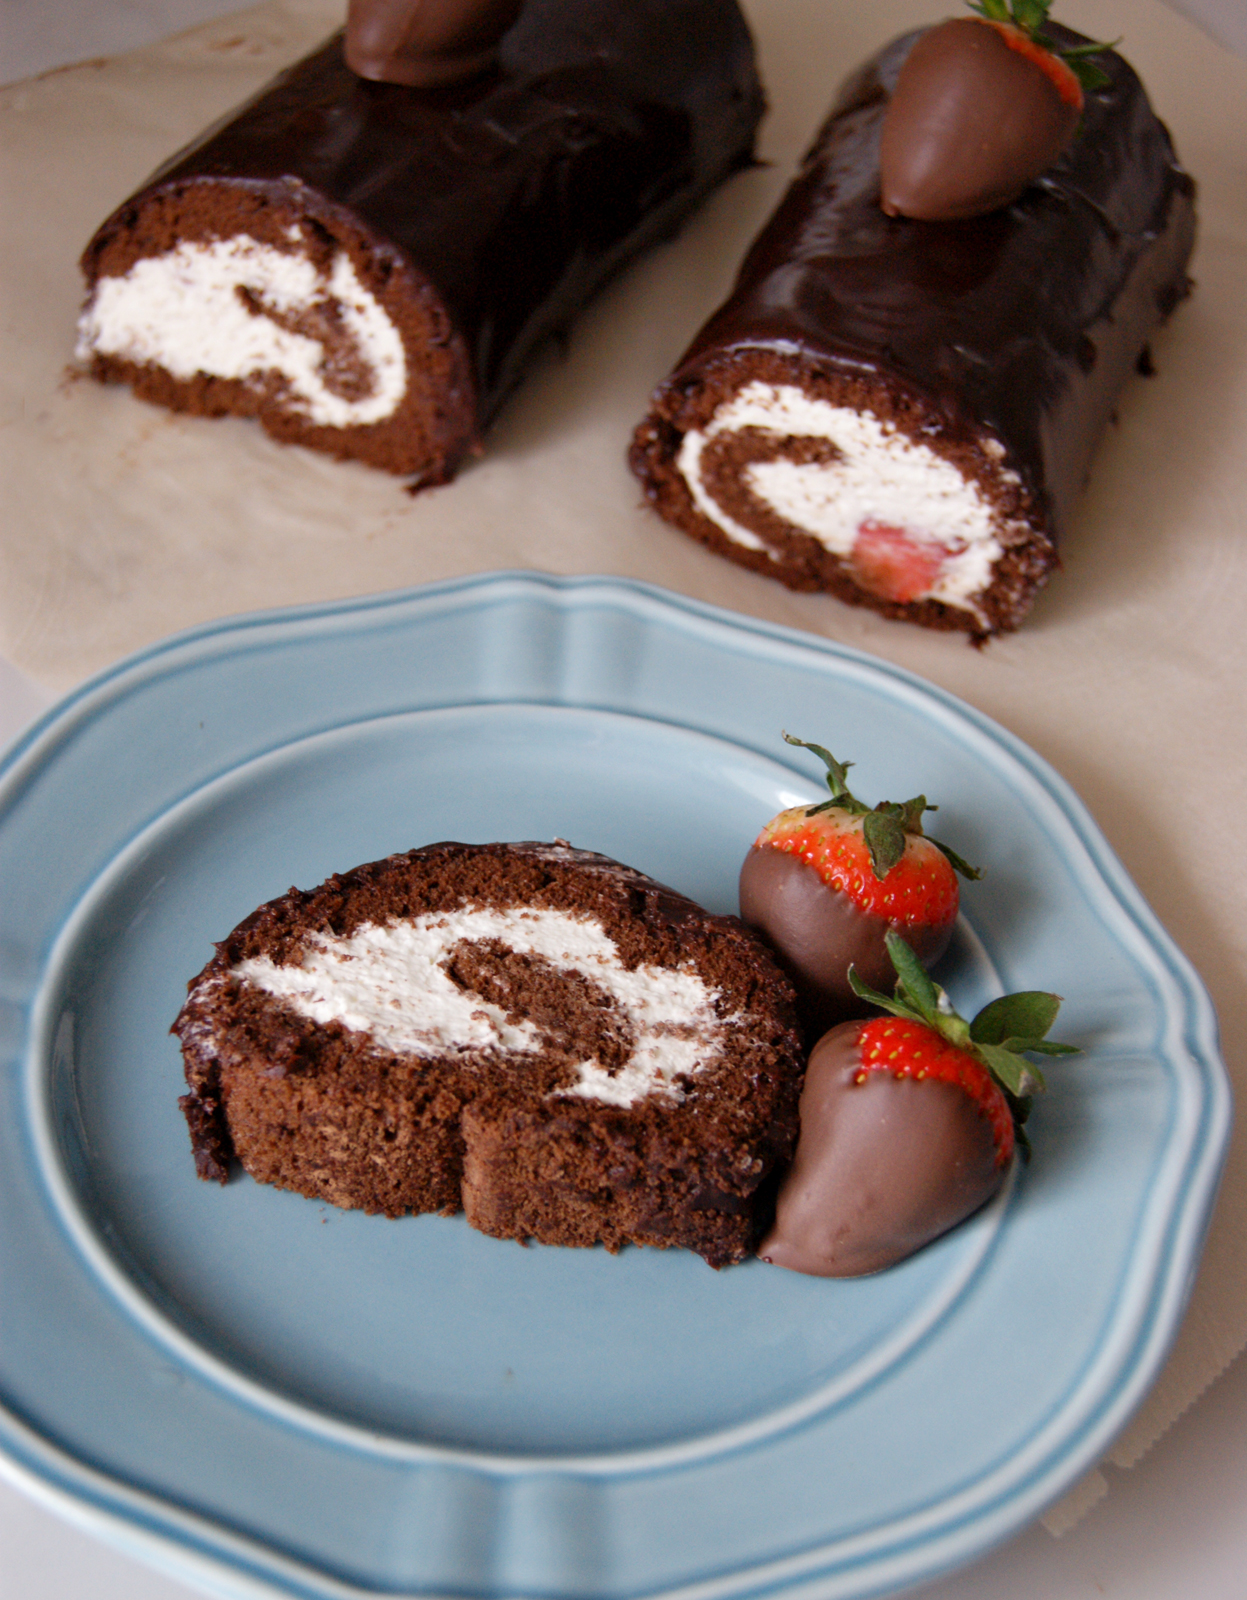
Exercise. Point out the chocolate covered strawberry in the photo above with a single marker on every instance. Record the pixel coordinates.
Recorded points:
(982, 106)
(826, 884)
(909, 1122)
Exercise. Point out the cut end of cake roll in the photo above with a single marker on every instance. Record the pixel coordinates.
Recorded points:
(221, 297)
(830, 479)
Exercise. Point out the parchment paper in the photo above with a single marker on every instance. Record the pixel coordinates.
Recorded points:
(122, 523)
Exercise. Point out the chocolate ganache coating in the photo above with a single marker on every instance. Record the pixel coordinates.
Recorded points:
(997, 344)
(882, 1167)
(479, 215)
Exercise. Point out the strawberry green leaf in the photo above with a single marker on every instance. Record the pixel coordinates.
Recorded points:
(1025, 14)
(881, 839)
(1088, 74)
(1031, 14)
(863, 991)
(999, 1035)
(1076, 59)
(885, 839)
(954, 1028)
(1016, 1075)
(1042, 1047)
(957, 862)
(1029, 1015)
(836, 779)
(913, 985)
(1079, 52)
(836, 772)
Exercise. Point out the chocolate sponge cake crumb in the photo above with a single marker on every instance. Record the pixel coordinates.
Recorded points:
(540, 1036)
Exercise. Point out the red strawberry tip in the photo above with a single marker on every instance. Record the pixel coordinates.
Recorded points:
(1000, 1035)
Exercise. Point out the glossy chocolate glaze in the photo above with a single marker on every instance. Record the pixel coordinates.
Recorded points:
(971, 123)
(819, 933)
(424, 42)
(1020, 325)
(513, 195)
(881, 1169)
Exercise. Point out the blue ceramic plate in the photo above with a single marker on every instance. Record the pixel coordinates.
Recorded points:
(265, 1395)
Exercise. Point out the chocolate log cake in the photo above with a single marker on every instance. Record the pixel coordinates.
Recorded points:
(568, 1050)
(902, 412)
(368, 265)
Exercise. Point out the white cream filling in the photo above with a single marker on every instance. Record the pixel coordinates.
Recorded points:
(183, 311)
(881, 477)
(390, 980)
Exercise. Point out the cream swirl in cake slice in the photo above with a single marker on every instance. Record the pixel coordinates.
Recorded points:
(391, 980)
(271, 318)
(904, 521)
(546, 1038)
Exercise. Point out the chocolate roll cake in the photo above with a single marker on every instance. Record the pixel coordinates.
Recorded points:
(555, 1043)
(368, 265)
(902, 412)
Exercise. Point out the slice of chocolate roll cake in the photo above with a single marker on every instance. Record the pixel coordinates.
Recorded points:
(900, 410)
(557, 1044)
(367, 266)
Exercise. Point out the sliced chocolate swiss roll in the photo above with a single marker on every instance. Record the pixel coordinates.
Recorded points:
(561, 1046)
(368, 265)
(903, 412)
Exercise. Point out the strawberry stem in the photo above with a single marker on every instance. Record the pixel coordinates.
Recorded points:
(886, 827)
(836, 779)
(1030, 17)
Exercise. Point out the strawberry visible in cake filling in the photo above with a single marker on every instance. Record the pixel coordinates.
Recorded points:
(393, 981)
(907, 524)
(892, 563)
(233, 308)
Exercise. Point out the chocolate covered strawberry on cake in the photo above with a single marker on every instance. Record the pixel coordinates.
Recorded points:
(899, 401)
(559, 1045)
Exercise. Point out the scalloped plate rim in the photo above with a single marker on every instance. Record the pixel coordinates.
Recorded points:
(204, 1553)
